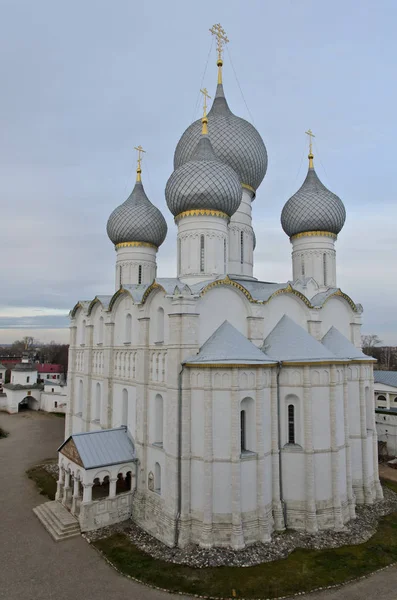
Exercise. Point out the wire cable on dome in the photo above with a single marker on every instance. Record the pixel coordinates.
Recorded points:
(202, 80)
(238, 83)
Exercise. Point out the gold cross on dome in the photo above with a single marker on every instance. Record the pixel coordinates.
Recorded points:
(311, 135)
(206, 95)
(140, 150)
(220, 34)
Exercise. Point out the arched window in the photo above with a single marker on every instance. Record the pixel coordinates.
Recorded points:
(80, 398)
(160, 324)
(247, 425)
(157, 478)
(242, 247)
(179, 256)
(100, 331)
(27, 379)
(381, 398)
(83, 333)
(202, 254)
(140, 274)
(243, 431)
(120, 275)
(303, 266)
(291, 424)
(124, 408)
(224, 256)
(128, 329)
(97, 414)
(325, 268)
(158, 420)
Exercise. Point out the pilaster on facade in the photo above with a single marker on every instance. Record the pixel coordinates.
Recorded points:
(237, 537)
(71, 408)
(368, 498)
(338, 519)
(185, 527)
(206, 536)
(278, 515)
(311, 519)
(349, 478)
(142, 400)
(264, 526)
(88, 376)
(108, 372)
(241, 238)
(378, 491)
(355, 331)
(314, 325)
(256, 329)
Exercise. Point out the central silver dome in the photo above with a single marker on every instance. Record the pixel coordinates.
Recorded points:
(204, 182)
(235, 141)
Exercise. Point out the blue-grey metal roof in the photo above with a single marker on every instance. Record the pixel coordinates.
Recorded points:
(386, 377)
(103, 448)
(342, 347)
(288, 341)
(228, 346)
(313, 208)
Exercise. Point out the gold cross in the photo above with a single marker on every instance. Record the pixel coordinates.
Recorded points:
(206, 95)
(220, 33)
(140, 149)
(311, 135)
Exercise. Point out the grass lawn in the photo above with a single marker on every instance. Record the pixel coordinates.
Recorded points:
(302, 570)
(44, 481)
(58, 414)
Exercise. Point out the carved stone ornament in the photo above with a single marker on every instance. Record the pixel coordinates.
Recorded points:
(150, 481)
(70, 451)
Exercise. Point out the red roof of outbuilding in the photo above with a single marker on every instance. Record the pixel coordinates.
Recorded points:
(49, 368)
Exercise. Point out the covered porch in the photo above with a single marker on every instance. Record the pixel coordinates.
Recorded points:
(97, 477)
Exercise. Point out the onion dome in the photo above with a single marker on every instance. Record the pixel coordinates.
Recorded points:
(137, 219)
(235, 141)
(313, 207)
(204, 182)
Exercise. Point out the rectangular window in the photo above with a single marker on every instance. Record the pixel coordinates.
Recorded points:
(291, 424)
(243, 440)
(140, 274)
(202, 254)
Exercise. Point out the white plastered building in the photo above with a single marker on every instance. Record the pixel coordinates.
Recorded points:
(249, 405)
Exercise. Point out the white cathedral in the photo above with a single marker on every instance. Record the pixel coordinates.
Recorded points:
(213, 408)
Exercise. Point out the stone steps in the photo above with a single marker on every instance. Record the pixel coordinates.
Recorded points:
(58, 521)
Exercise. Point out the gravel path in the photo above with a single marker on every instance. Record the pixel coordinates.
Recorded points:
(33, 567)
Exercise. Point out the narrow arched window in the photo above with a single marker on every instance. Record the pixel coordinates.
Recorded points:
(83, 332)
(179, 256)
(325, 268)
(124, 407)
(202, 254)
(224, 256)
(159, 420)
(291, 424)
(160, 324)
(242, 247)
(157, 478)
(140, 274)
(128, 329)
(243, 431)
(97, 415)
(120, 273)
(303, 266)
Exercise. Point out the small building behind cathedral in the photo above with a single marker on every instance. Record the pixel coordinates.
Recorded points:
(212, 408)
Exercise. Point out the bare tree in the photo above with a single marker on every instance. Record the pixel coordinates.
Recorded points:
(370, 341)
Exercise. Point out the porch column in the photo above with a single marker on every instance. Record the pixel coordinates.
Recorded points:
(87, 492)
(76, 495)
(66, 489)
(112, 488)
(61, 478)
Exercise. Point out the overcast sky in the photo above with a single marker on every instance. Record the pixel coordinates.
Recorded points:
(82, 83)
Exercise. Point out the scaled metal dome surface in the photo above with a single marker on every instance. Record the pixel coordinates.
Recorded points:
(313, 208)
(137, 220)
(205, 182)
(235, 141)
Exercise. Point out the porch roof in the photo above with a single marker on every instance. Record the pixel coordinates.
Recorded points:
(101, 448)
